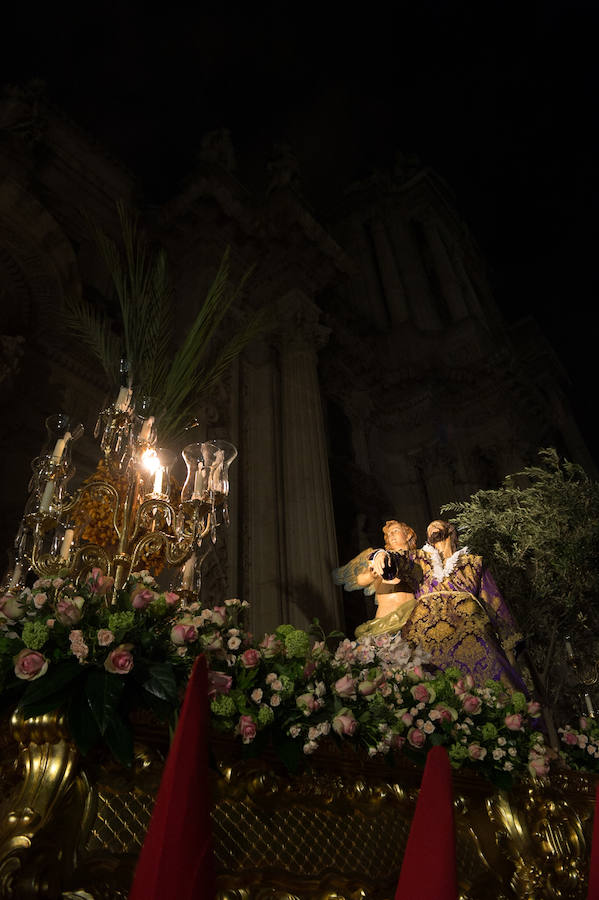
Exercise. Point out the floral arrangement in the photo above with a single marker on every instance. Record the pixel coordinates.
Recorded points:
(63, 644)
(580, 746)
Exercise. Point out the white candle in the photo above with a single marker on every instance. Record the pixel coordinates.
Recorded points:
(215, 481)
(67, 542)
(122, 401)
(47, 496)
(59, 447)
(157, 489)
(589, 705)
(16, 575)
(146, 429)
(569, 650)
(188, 573)
(198, 485)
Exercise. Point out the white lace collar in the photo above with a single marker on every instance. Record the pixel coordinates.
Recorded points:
(442, 571)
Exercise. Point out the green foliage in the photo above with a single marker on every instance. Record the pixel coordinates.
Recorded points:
(539, 535)
(174, 377)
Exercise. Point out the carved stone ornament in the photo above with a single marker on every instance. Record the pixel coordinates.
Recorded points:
(336, 831)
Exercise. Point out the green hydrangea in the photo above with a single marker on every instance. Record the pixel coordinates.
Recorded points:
(297, 643)
(223, 705)
(158, 606)
(224, 724)
(458, 752)
(288, 686)
(519, 701)
(120, 622)
(35, 635)
(265, 716)
(283, 630)
(489, 732)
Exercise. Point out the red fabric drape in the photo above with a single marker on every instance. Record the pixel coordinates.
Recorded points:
(176, 860)
(593, 893)
(428, 871)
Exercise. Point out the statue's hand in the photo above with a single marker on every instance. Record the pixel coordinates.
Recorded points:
(378, 562)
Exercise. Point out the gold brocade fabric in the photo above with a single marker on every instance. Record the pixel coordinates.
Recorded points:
(389, 624)
(452, 627)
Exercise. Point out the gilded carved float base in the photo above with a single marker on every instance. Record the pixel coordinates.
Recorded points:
(338, 831)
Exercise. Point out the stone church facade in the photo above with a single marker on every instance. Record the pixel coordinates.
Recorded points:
(386, 384)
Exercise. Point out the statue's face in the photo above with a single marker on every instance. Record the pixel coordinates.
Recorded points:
(396, 537)
(437, 532)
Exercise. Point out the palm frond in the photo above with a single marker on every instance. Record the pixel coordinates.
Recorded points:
(94, 329)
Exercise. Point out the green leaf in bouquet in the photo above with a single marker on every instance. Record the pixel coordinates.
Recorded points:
(288, 751)
(119, 739)
(82, 723)
(161, 683)
(103, 691)
(51, 690)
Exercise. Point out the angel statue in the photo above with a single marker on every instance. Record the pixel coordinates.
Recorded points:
(458, 617)
(394, 596)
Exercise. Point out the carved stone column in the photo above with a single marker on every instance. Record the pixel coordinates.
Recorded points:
(309, 529)
(262, 516)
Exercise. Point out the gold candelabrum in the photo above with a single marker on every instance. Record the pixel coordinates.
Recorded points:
(147, 516)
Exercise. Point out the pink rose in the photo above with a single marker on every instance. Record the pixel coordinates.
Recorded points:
(183, 634)
(250, 658)
(475, 751)
(538, 766)
(171, 598)
(39, 599)
(345, 723)
(471, 704)
(99, 583)
(105, 637)
(247, 729)
(68, 612)
(570, 738)
(11, 607)
(308, 703)
(464, 685)
(29, 665)
(407, 718)
(584, 723)
(218, 683)
(514, 722)
(533, 708)
(422, 694)
(141, 597)
(345, 686)
(416, 738)
(446, 713)
(366, 688)
(120, 660)
(270, 646)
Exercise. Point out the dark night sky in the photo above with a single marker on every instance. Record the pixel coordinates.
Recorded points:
(499, 97)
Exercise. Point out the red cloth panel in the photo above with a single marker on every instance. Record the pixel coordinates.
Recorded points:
(428, 870)
(176, 860)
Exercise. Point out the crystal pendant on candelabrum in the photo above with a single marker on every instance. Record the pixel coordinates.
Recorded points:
(52, 470)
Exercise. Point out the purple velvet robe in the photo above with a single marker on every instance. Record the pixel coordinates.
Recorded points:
(461, 618)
